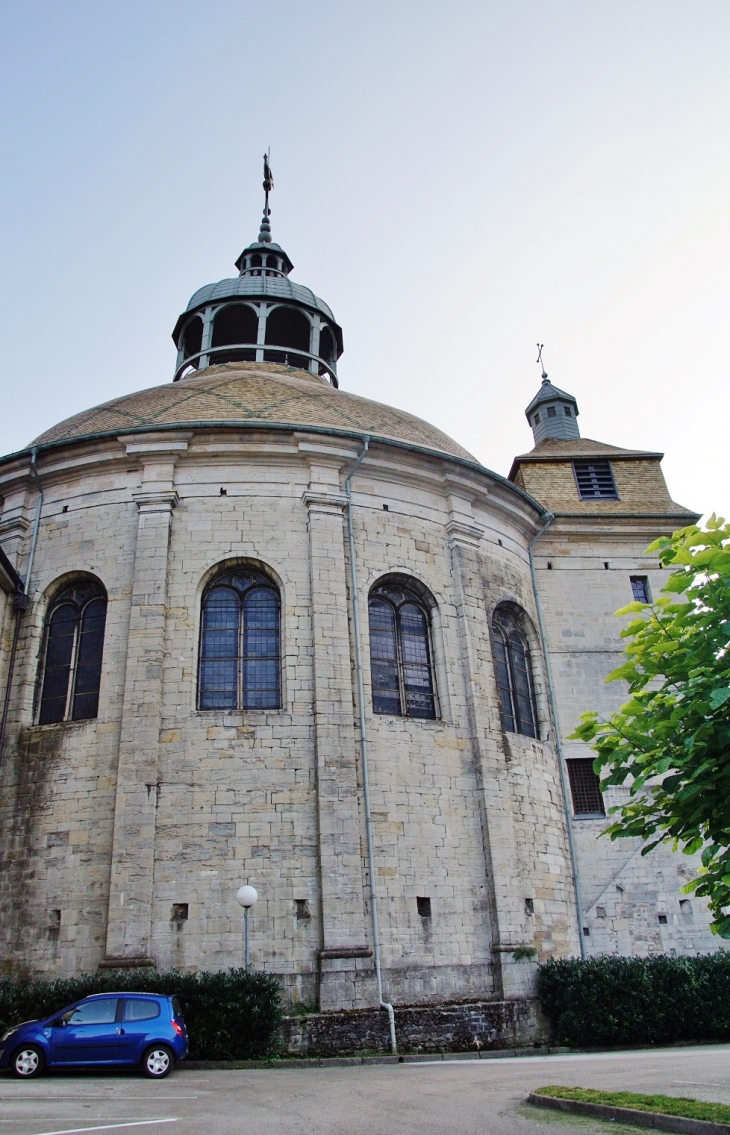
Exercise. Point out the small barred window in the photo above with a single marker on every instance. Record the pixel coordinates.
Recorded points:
(240, 663)
(640, 588)
(72, 654)
(595, 480)
(400, 653)
(585, 787)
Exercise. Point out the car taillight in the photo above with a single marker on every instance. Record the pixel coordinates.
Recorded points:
(178, 1028)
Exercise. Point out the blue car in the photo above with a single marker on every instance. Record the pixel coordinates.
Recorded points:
(145, 1030)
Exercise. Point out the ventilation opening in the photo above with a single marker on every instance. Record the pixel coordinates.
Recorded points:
(585, 788)
(529, 906)
(663, 919)
(586, 931)
(179, 912)
(301, 908)
(54, 925)
(600, 912)
(424, 907)
(595, 480)
(551, 411)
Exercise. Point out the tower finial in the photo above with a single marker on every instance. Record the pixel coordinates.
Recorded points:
(265, 233)
(539, 360)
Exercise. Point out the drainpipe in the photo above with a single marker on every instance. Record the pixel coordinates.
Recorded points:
(364, 748)
(549, 518)
(22, 600)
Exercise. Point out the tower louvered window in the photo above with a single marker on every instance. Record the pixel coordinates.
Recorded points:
(240, 654)
(595, 480)
(400, 654)
(585, 787)
(514, 672)
(72, 654)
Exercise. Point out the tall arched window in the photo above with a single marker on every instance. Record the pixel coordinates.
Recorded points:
(514, 671)
(240, 665)
(72, 654)
(400, 653)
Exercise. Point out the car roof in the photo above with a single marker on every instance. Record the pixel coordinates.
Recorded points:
(125, 993)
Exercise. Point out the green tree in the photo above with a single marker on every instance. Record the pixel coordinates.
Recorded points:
(670, 742)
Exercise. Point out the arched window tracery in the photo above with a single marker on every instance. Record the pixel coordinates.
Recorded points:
(513, 666)
(240, 653)
(400, 653)
(73, 648)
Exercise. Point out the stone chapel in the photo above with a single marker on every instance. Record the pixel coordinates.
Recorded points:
(256, 629)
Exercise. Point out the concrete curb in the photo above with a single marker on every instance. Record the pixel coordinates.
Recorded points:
(346, 1061)
(628, 1115)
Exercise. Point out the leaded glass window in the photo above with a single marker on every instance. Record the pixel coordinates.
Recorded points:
(72, 654)
(400, 653)
(240, 656)
(514, 672)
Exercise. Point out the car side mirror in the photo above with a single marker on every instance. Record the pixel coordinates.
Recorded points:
(59, 1023)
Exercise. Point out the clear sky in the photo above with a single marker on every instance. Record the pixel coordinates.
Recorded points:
(456, 179)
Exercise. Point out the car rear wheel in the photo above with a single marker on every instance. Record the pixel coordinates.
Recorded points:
(158, 1061)
(27, 1062)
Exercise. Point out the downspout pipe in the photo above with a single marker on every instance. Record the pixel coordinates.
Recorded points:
(22, 599)
(364, 746)
(548, 519)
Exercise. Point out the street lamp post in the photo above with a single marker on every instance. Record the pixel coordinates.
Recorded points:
(246, 897)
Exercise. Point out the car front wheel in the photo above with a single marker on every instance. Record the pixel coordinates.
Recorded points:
(28, 1061)
(158, 1061)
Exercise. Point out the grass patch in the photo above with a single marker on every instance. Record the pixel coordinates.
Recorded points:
(666, 1105)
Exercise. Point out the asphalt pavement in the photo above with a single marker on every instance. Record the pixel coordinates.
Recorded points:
(480, 1097)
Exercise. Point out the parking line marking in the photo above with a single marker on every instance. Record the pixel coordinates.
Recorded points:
(107, 1127)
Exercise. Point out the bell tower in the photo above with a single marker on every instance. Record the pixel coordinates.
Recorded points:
(552, 412)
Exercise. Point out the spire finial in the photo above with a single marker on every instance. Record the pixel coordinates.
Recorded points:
(265, 233)
(539, 360)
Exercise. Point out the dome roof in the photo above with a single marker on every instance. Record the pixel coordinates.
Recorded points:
(273, 287)
(238, 394)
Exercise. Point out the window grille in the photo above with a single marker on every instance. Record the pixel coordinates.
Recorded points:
(240, 654)
(400, 654)
(551, 411)
(72, 654)
(568, 412)
(514, 672)
(640, 588)
(595, 480)
(585, 787)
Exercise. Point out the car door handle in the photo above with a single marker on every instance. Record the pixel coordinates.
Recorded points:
(120, 1032)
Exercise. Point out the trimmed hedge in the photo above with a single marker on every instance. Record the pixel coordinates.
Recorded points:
(232, 1015)
(609, 1000)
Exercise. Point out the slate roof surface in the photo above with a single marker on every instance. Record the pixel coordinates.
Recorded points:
(561, 448)
(237, 393)
(275, 287)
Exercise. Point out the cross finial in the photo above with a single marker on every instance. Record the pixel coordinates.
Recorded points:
(265, 234)
(539, 360)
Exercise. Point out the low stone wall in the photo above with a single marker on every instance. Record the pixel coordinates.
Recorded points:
(467, 1027)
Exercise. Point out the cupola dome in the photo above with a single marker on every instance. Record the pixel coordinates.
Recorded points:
(259, 316)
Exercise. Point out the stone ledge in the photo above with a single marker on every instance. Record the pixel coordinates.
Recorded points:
(654, 1119)
(350, 1061)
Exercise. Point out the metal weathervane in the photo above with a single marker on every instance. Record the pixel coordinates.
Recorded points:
(539, 359)
(268, 181)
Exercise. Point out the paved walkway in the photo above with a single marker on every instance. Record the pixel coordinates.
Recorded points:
(484, 1097)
